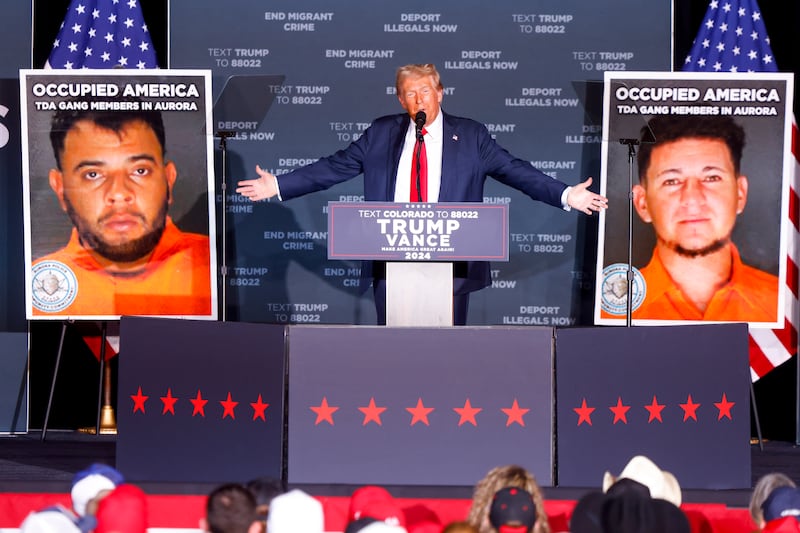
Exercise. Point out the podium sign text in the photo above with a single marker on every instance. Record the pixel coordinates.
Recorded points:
(418, 231)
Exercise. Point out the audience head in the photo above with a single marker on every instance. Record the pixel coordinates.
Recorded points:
(295, 512)
(626, 507)
(512, 511)
(372, 501)
(88, 483)
(123, 510)
(231, 508)
(498, 478)
(661, 484)
(421, 519)
(781, 503)
(764, 487)
(355, 526)
(264, 489)
(56, 519)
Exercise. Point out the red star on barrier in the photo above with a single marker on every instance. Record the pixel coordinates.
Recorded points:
(138, 400)
(324, 412)
(372, 413)
(199, 404)
(689, 409)
(467, 413)
(228, 406)
(259, 409)
(169, 403)
(584, 413)
(724, 407)
(419, 413)
(515, 414)
(655, 409)
(620, 411)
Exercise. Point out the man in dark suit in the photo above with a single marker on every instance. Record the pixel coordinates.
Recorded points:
(461, 153)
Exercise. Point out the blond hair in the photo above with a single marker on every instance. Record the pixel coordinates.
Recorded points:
(498, 478)
(418, 70)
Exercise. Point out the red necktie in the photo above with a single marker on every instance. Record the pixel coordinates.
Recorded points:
(421, 156)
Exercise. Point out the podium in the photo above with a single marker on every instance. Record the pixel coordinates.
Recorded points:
(419, 242)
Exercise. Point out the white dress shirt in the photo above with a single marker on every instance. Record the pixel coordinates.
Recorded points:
(433, 149)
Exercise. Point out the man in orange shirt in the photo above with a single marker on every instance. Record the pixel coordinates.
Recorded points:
(691, 190)
(125, 255)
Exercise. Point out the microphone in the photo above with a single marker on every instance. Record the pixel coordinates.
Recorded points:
(420, 118)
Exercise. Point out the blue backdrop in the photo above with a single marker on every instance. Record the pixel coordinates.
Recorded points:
(530, 70)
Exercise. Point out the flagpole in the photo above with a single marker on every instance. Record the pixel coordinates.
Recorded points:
(795, 315)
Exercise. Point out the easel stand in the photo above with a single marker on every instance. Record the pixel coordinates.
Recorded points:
(755, 415)
(106, 421)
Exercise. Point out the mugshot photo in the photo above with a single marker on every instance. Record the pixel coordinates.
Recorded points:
(701, 162)
(119, 185)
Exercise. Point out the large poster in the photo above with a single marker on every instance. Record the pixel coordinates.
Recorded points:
(530, 70)
(118, 194)
(705, 161)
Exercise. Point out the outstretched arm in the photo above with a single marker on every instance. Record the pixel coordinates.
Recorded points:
(582, 199)
(261, 188)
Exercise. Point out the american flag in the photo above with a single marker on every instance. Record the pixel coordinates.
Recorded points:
(103, 34)
(733, 38)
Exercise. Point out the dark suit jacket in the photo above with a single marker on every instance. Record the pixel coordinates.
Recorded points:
(469, 155)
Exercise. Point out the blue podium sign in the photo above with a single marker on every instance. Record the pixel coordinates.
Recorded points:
(418, 231)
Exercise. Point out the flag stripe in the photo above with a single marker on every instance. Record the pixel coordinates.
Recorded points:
(733, 38)
(759, 363)
(770, 348)
(791, 272)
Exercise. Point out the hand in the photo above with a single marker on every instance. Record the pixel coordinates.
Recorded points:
(261, 188)
(582, 199)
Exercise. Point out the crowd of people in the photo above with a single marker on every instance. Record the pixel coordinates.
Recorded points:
(642, 498)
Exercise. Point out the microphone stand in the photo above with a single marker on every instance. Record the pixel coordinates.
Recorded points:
(631, 144)
(417, 152)
(223, 147)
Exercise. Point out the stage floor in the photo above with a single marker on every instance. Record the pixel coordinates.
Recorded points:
(28, 464)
